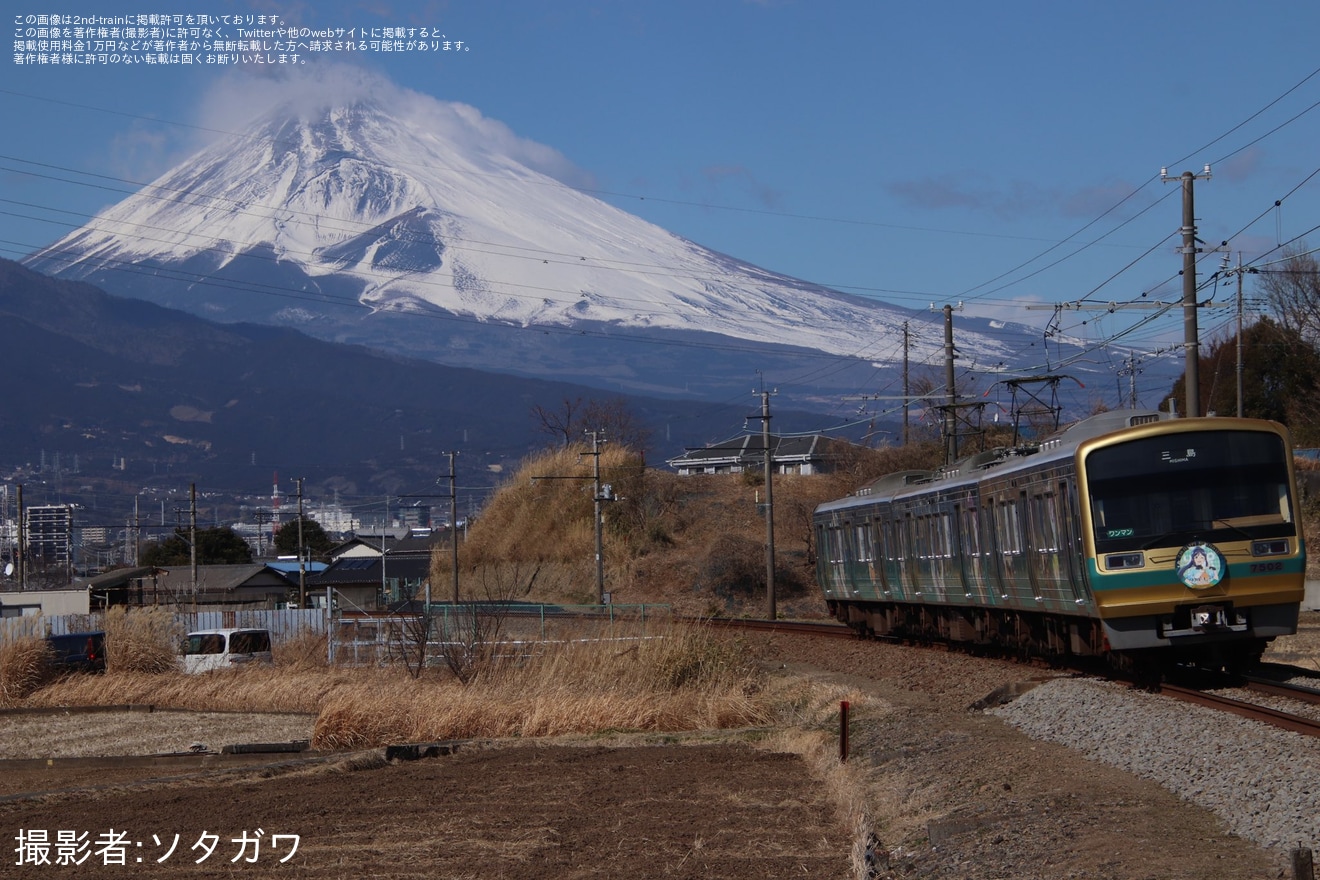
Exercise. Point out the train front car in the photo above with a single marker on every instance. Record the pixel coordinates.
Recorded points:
(1192, 539)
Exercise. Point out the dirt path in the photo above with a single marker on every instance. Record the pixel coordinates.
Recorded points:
(514, 812)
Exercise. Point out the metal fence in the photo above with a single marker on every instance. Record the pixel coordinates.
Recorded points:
(382, 640)
(370, 640)
(286, 623)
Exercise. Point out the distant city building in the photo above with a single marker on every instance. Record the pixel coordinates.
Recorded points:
(49, 532)
(334, 518)
(416, 516)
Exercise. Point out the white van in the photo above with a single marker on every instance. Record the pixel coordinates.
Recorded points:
(209, 649)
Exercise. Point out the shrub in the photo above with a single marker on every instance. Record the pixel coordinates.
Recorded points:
(24, 667)
(733, 567)
(141, 640)
(305, 651)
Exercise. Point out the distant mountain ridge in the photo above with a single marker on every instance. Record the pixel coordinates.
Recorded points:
(103, 379)
(403, 225)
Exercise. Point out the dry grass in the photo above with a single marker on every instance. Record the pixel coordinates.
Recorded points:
(809, 727)
(678, 678)
(305, 651)
(670, 678)
(251, 688)
(141, 640)
(24, 667)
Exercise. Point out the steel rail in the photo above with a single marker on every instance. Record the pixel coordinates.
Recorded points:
(1280, 689)
(1252, 711)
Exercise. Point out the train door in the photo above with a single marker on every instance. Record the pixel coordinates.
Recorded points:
(948, 582)
(995, 585)
(908, 555)
(864, 581)
(1014, 582)
(1071, 518)
(1043, 549)
(970, 563)
(891, 555)
(833, 561)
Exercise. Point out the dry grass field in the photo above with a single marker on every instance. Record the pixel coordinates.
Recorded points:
(661, 753)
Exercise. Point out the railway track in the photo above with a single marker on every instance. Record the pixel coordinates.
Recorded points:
(1299, 692)
(830, 630)
(1254, 711)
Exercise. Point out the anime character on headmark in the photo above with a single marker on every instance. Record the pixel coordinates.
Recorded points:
(1200, 565)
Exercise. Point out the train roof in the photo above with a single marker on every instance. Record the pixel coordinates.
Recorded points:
(973, 466)
(1005, 460)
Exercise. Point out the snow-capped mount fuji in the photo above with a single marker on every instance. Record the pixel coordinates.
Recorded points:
(362, 222)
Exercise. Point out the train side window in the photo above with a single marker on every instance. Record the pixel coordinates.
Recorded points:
(908, 536)
(971, 533)
(1047, 518)
(833, 544)
(862, 536)
(1010, 531)
(894, 540)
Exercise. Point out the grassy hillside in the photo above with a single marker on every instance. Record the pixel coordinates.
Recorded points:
(696, 543)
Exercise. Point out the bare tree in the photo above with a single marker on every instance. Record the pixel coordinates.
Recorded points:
(617, 423)
(564, 422)
(472, 636)
(412, 638)
(568, 422)
(1293, 293)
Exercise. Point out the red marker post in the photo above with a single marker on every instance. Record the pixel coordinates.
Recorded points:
(843, 731)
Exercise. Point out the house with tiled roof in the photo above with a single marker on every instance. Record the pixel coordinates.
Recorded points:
(368, 581)
(251, 585)
(791, 455)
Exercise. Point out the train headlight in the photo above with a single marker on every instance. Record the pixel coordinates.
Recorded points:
(1269, 548)
(1125, 560)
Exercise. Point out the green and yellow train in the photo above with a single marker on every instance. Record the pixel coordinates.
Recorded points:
(1130, 535)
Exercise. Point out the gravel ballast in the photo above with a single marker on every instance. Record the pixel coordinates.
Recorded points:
(1263, 783)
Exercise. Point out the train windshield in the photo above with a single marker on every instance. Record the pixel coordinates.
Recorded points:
(1209, 485)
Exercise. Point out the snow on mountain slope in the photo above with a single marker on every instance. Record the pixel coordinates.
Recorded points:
(411, 200)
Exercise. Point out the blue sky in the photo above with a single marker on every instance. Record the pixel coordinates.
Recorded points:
(995, 154)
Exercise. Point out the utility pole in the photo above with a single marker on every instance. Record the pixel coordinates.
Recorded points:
(453, 520)
(22, 542)
(1130, 364)
(906, 393)
(600, 493)
(192, 532)
(1191, 337)
(770, 611)
(302, 569)
(598, 498)
(1239, 272)
(1239, 336)
(950, 417)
